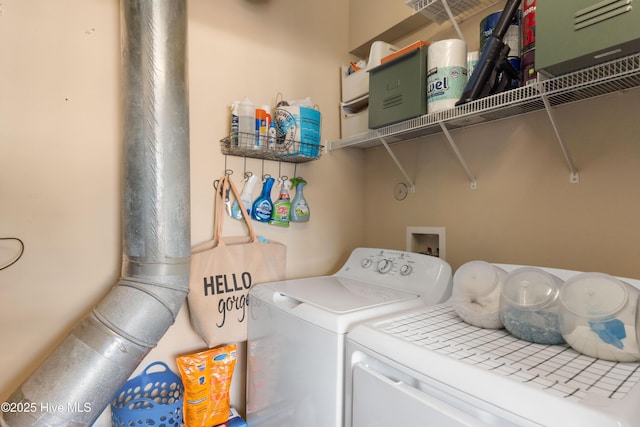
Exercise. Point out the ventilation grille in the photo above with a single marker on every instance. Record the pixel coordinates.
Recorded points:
(600, 12)
(392, 101)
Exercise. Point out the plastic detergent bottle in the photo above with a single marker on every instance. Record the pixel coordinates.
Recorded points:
(282, 207)
(299, 208)
(263, 206)
(246, 123)
(246, 197)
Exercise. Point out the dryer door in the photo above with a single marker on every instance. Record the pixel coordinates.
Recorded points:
(384, 396)
(380, 401)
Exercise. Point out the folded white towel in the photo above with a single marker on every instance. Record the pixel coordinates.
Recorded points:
(476, 294)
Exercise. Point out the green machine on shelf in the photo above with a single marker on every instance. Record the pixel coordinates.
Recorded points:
(575, 34)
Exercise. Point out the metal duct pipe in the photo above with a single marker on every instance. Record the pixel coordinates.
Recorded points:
(78, 380)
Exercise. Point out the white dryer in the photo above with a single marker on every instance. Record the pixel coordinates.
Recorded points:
(428, 367)
(297, 329)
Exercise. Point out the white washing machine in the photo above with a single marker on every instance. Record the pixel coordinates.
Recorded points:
(297, 329)
(428, 367)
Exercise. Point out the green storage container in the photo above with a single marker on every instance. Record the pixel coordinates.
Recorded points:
(398, 89)
(574, 34)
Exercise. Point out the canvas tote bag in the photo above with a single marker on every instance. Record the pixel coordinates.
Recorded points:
(222, 272)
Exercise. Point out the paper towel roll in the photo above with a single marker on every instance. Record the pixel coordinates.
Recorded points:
(447, 73)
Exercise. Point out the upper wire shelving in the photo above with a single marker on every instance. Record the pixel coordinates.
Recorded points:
(598, 80)
(436, 10)
(453, 10)
(603, 79)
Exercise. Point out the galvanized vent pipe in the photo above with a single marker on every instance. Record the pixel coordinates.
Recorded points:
(78, 380)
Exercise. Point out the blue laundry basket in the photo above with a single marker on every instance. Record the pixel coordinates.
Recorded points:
(150, 399)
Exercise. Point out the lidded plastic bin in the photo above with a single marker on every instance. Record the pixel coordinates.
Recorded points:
(529, 305)
(599, 316)
(476, 293)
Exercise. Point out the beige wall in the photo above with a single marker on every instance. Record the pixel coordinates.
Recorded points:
(60, 174)
(60, 152)
(524, 210)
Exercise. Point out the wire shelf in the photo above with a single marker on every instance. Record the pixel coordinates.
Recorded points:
(614, 76)
(461, 9)
(280, 149)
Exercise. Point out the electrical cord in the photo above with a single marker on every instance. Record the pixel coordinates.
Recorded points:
(19, 255)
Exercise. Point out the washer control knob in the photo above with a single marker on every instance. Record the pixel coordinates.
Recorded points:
(406, 270)
(384, 266)
(366, 263)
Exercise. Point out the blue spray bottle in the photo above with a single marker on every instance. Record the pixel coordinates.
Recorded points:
(263, 206)
(299, 208)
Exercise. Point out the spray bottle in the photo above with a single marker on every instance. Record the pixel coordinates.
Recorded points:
(299, 208)
(246, 197)
(263, 206)
(282, 207)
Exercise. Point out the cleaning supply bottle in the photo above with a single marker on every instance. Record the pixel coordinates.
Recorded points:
(299, 208)
(263, 206)
(263, 125)
(261, 117)
(282, 207)
(235, 106)
(246, 197)
(246, 123)
(271, 136)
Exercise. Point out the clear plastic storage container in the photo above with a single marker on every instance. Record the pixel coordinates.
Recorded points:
(476, 293)
(599, 316)
(529, 305)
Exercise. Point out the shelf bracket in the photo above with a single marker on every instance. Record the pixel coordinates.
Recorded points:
(454, 147)
(412, 186)
(574, 177)
(452, 18)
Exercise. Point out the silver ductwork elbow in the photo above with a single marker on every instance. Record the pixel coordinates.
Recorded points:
(79, 378)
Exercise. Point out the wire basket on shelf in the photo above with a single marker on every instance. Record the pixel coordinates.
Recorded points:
(279, 148)
(154, 398)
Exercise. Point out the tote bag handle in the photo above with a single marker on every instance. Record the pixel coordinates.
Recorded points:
(225, 185)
